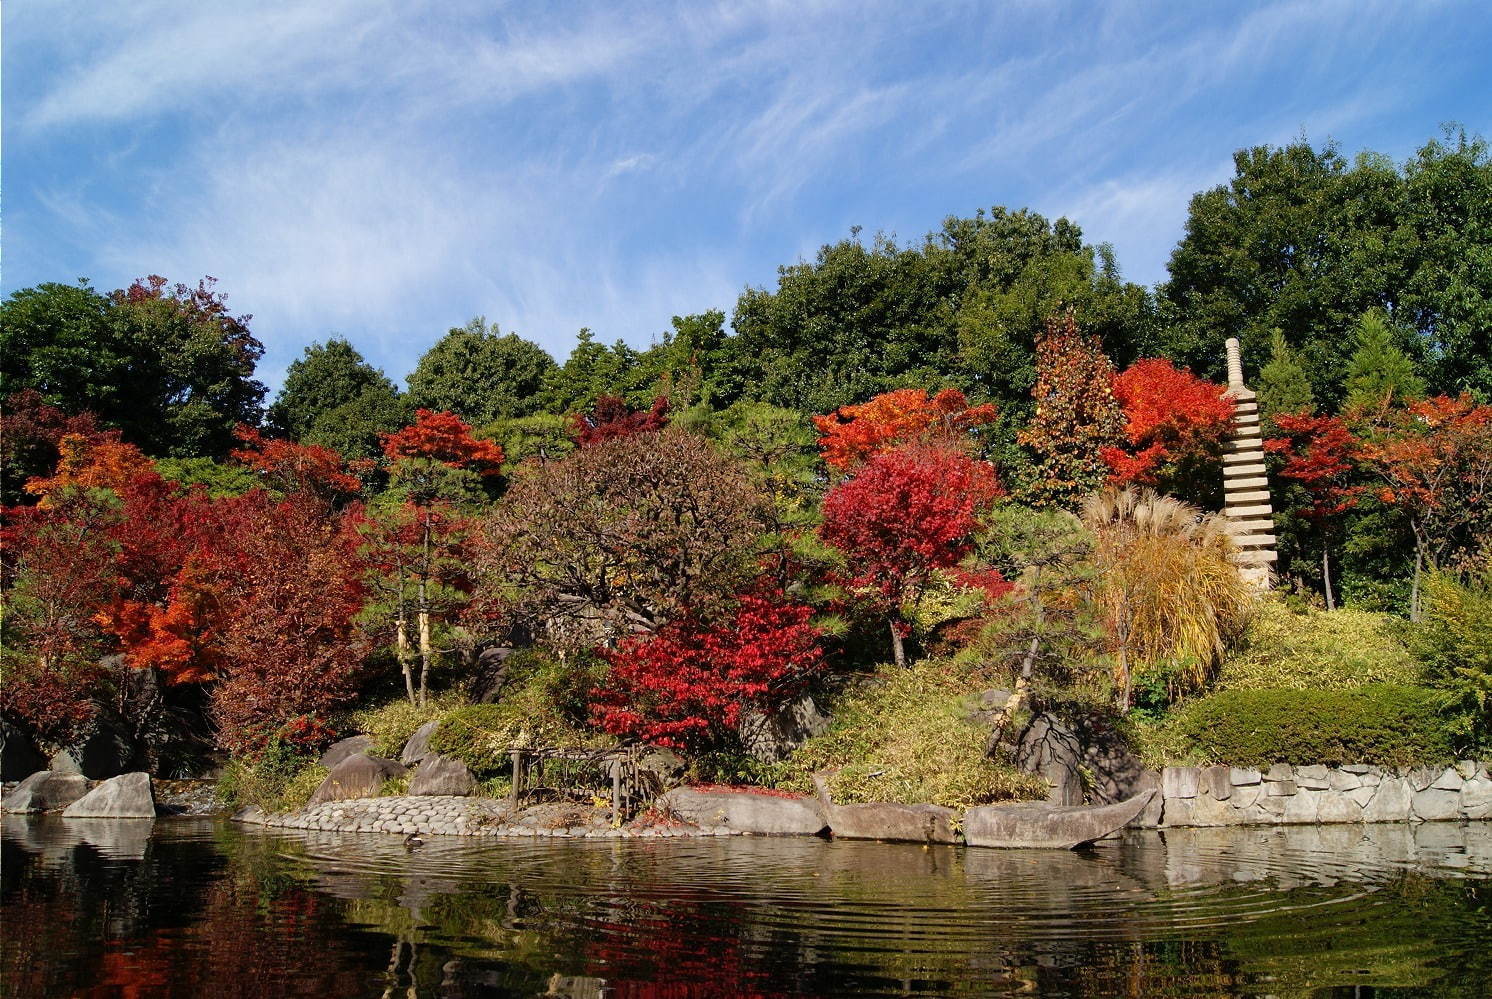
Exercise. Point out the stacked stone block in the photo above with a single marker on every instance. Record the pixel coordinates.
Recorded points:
(1246, 482)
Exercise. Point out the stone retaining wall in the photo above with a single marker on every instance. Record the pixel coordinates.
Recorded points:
(1310, 795)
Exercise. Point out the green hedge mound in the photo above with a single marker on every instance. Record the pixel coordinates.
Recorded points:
(1385, 724)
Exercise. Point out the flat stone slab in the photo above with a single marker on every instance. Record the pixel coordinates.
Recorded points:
(128, 796)
(1049, 827)
(892, 822)
(746, 811)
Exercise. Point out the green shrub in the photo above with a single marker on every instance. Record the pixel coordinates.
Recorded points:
(543, 704)
(1455, 642)
(1318, 649)
(279, 780)
(1386, 724)
(905, 735)
(392, 723)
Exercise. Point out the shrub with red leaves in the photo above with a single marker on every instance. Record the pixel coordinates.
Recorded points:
(852, 435)
(689, 684)
(1172, 420)
(611, 418)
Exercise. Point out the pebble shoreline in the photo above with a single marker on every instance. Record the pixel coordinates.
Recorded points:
(450, 815)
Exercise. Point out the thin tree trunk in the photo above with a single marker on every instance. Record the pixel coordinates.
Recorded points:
(424, 619)
(1017, 697)
(1414, 613)
(1331, 603)
(898, 650)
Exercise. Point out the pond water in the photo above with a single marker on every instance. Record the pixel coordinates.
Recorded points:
(198, 908)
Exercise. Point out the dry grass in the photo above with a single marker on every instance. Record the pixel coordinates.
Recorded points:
(1166, 582)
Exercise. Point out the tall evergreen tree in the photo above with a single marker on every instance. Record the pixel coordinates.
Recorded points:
(1283, 386)
(1379, 372)
(327, 376)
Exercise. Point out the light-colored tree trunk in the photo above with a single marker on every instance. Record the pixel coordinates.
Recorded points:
(1331, 603)
(898, 648)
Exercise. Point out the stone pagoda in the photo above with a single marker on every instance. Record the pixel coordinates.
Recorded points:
(1246, 482)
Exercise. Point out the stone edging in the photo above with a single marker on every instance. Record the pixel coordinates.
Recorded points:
(1320, 795)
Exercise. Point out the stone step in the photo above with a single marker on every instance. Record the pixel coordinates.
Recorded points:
(1245, 406)
(1258, 481)
(1243, 470)
(1245, 512)
(1245, 434)
(1251, 497)
(1239, 457)
(1255, 541)
(1255, 556)
(1245, 417)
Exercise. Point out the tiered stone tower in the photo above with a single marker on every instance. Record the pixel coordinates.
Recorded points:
(1246, 482)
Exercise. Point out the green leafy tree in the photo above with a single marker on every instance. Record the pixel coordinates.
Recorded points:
(1379, 372)
(328, 376)
(57, 340)
(481, 374)
(592, 369)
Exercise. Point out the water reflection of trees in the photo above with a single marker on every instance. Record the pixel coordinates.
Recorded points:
(1226, 913)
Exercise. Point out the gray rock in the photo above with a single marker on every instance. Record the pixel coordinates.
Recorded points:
(1360, 796)
(773, 737)
(442, 775)
(1437, 805)
(1476, 799)
(1360, 768)
(892, 822)
(1342, 780)
(1180, 782)
(1176, 811)
(63, 762)
(1338, 807)
(1244, 776)
(1048, 826)
(1208, 811)
(128, 796)
(1280, 788)
(45, 791)
(341, 750)
(1218, 782)
(1280, 771)
(746, 811)
(1449, 780)
(1313, 778)
(1390, 802)
(1467, 768)
(357, 776)
(19, 757)
(1302, 808)
(1150, 818)
(418, 746)
(1422, 777)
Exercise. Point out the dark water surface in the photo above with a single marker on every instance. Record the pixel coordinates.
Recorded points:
(197, 908)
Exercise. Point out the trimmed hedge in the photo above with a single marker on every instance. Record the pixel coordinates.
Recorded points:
(1378, 723)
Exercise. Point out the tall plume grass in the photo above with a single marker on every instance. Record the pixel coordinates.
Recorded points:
(1167, 584)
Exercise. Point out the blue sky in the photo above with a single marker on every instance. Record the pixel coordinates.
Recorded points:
(386, 170)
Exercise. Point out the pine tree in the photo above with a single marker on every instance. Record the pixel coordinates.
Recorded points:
(1283, 385)
(1379, 372)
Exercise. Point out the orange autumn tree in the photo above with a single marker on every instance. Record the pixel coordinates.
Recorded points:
(852, 435)
(1433, 462)
(1076, 416)
(1174, 426)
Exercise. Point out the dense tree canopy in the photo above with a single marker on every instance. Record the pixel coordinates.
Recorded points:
(333, 397)
(480, 374)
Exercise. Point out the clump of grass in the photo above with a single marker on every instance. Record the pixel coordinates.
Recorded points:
(394, 787)
(904, 734)
(393, 722)
(279, 780)
(1318, 650)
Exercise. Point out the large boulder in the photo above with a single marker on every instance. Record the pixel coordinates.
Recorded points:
(442, 775)
(764, 813)
(107, 751)
(418, 746)
(1055, 827)
(894, 822)
(45, 791)
(341, 750)
(128, 796)
(1082, 758)
(19, 757)
(357, 776)
(770, 737)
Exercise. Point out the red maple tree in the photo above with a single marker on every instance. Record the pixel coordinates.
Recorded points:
(1172, 420)
(288, 467)
(1319, 454)
(904, 514)
(689, 684)
(851, 435)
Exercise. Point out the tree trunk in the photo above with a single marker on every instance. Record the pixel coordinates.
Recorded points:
(1017, 697)
(401, 646)
(898, 650)
(1331, 603)
(1414, 612)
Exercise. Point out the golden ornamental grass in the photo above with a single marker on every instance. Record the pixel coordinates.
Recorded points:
(1166, 582)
